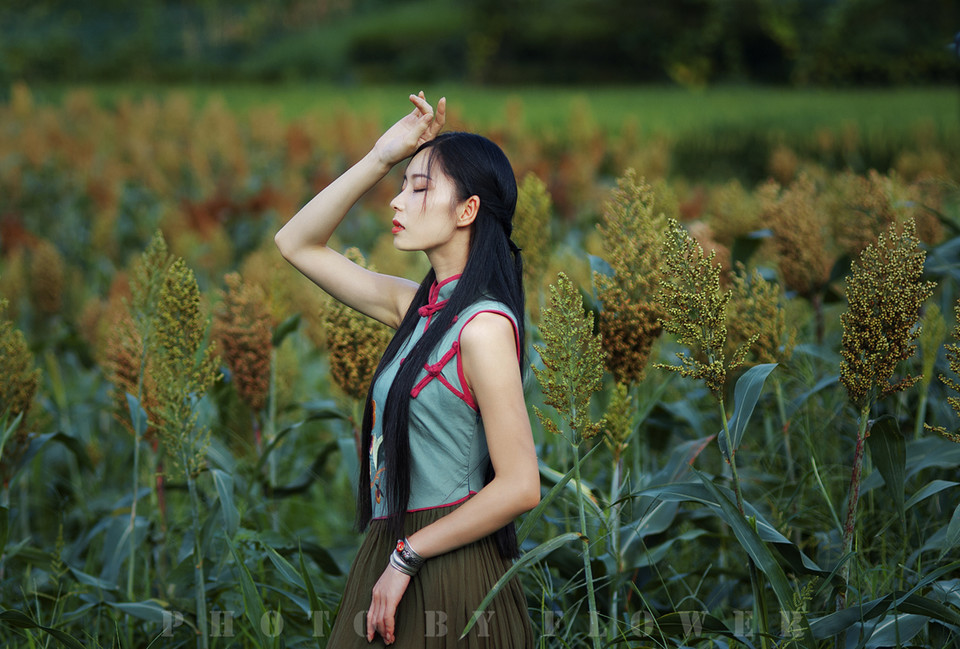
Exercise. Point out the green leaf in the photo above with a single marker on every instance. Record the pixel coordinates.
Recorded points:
(72, 444)
(657, 516)
(4, 528)
(690, 624)
(284, 329)
(325, 561)
(17, 619)
(531, 518)
(823, 383)
(586, 489)
(894, 630)
(138, 416)
(930, 489)
(759, 552)
(889, 454)
(312, 598)
(22, 621)
(833, 624)
(90, 580)
(8, 431)
(231, 516)
(284, 567)
(253, 606)
(638, 555)
(149, 610)
(830, 625)
(927, 607)
(953, 533)
(745, 397)
(329, 448)
(931, 453)
(532, 556)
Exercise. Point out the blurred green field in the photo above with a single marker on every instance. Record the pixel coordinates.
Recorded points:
(655, 110)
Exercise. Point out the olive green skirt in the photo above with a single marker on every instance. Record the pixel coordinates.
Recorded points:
(440, 599)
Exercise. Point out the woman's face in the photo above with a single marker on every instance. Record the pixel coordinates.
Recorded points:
(425, 209)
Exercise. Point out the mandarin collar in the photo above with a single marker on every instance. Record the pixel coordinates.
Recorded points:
(439, 294)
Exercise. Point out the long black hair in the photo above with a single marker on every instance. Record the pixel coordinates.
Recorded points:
(494, 269)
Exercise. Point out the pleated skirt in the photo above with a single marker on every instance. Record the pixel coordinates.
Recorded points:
(440, 599)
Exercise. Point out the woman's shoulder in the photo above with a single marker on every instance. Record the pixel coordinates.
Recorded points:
(487, 304)
(487, 324)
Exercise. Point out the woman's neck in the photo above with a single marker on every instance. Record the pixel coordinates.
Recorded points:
(448, 261)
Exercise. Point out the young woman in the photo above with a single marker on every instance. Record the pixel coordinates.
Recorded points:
(449, 456)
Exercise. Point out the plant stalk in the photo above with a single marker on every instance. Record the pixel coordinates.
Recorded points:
(614, 525)
(854, 497)
(921, 412)
(270, 432)
(132, 553)
(759, 604)
(587, 570)
(200, 584)
(785, 427)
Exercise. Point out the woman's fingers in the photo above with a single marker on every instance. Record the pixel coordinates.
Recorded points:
(439, 119)
(432, 122)
(423, 106)
(371, 617)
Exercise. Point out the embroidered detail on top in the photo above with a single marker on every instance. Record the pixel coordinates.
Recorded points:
(375, 485)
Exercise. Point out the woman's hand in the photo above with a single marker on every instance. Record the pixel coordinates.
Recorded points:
(383, 606)
(419, 126)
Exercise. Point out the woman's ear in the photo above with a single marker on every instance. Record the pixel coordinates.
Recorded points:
(467, 211)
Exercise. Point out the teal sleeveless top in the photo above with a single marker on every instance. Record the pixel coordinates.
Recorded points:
(448, 447)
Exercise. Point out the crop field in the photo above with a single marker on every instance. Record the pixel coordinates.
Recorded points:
(743, 334)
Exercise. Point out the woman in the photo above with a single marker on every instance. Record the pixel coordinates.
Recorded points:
(441, 486)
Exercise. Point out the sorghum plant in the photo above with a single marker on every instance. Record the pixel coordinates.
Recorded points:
(573, 371)
(531, 232)
(46, 279)
(885, 293)
(694, 310)
(953, 360)
(355, 342)
(19, 381)
(632, 236)
(804, 253)
(756, 309)
(186, 368)
(242, 328)
(862, 207)
(573, 362)
(129, 357)
(932, 335)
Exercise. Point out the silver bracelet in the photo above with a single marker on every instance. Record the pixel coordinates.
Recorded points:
(398, 564)
(405, 559)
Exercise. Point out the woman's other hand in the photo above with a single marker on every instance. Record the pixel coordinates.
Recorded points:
(383, 605)
(419, 126)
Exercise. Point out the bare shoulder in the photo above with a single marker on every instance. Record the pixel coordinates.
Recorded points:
(488, 331)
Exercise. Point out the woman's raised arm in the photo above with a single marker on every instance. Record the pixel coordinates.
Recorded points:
(303, 240)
